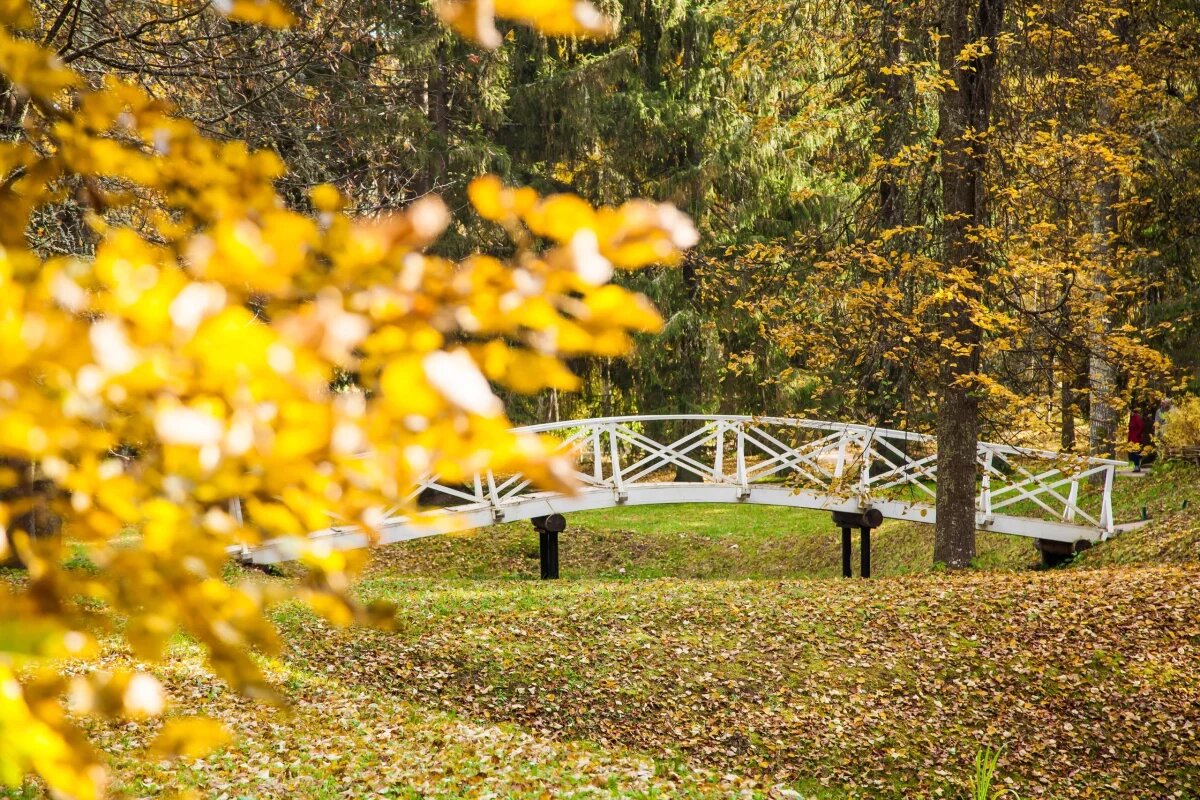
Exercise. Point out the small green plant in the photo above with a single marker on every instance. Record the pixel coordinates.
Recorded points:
(80, 560)
(986, 761)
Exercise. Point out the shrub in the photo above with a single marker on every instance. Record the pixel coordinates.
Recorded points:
(1181, 428)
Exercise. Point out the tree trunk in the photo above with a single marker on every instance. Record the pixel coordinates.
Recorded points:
(1102, 377)
(964, 118)
(1067, 409)
(1102, 373)
(890, 84)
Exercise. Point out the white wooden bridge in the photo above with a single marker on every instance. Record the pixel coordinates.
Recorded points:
(829, 466)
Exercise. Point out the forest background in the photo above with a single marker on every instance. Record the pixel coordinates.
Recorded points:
(803, 138)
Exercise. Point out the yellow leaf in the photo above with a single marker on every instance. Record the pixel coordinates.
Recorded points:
(560, 217)
(190, 737)
(326, 197)
(262, 12)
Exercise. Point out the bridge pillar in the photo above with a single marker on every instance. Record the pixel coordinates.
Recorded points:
(864, 566)
(1057, 553)
(548, 528)
(846, 571)
(864, 521)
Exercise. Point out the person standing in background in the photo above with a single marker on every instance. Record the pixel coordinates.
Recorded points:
(1149, 454)
(1137, 429)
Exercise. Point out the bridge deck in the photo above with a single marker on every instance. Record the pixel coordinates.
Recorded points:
(823, 465)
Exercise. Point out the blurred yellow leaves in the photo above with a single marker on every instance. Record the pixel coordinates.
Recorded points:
(35, 737)
(224, 370)
(271, 13)
(189, 737)
(476, 19)
(499, 203)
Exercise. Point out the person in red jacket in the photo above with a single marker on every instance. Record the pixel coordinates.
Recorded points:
(1137, 428)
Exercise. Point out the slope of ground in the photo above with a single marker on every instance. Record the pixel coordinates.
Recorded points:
(1089, 679)
(1169, 496)
(760, 681)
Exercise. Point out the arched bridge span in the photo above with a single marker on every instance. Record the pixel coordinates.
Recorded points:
(798, 463)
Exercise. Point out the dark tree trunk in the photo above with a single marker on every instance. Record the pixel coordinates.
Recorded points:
(889, 83)
(1067, 404)
(28, 497)
(965, 116)
(23, 493)
(888, 382)
(1102, 373)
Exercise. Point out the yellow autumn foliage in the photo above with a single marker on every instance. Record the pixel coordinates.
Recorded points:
(1181, 427)
(181, 394)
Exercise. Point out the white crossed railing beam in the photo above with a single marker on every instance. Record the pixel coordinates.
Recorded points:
(633, 456)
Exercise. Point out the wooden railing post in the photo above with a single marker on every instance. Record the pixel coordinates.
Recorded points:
(864, 477)
(615, 454)
(1106, 512)
(1072, 503)
(741, 460)
(719, 457)
(841, 455)
(985, 484)
(597, 457)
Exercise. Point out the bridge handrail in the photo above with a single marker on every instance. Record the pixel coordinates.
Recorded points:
(800, 422)
(846, 466)
(850, 445)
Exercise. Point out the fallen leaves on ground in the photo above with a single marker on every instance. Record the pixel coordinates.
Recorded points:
(1089, 679)
(342, 740)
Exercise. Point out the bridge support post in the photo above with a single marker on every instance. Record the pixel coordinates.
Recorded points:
(846, 572)
(1057, 553)
(864, 520)
(548, 528)
(864, 553)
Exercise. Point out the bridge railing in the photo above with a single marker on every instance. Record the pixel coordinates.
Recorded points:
(831, 458)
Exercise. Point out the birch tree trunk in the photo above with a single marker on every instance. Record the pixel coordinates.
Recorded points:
(1102, 376)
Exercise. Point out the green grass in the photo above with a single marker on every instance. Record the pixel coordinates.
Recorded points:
(694, 541)
(749, 523)
(711, 541)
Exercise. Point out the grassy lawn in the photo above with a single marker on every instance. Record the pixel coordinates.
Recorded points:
(708, 541)
(708, 651)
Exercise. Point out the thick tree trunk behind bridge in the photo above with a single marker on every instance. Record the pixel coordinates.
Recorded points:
(964, 118)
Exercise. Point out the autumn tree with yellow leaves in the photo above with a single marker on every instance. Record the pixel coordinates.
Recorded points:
(201, 356)
(993, 261)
